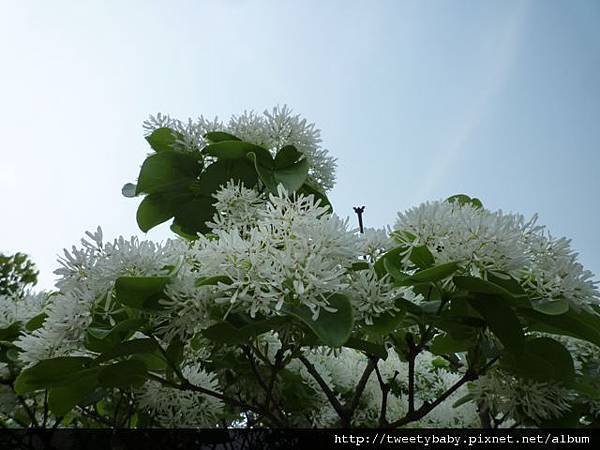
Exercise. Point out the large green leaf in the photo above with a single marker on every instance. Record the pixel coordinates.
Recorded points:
(292, 177)
(218, 136)
(123, 374)
(62, 399)
(265, 174)
(163, 139)
(36, 322)
(287, 156)
(579, 324)
(541, 359)
(554, 307)
(50, 373)
(235, 149)
(501, 319)
(168, 172)
(332, 328)
(220, 172)
(120, 332)
(11, 332)
(225, 333)
(193, 215)
(444, 344)
(132, 347)
(385, 324)
(429, 275)
(479, 286)
(157, 208)
(421, 257)
(395, 255)
(141, 292)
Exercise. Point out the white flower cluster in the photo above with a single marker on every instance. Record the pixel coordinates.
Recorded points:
(87, 277)
(272, 129)
(295, 252)
(525, 401)
(182, 408)
(485, 242)
(21, 309)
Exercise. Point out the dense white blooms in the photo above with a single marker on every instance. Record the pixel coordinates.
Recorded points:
(237, 207)
(22, 309)
(182, 408)
(87, 276)
(375, 242)
(484, 242)
(295, 253)
(523, 400)
(370, 296)
(272, 129)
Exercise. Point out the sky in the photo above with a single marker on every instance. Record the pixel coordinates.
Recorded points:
(417, 100)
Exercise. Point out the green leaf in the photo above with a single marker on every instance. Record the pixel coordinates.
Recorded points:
(220, 172)
(395, 255)
(193, 215)
(394, 267)
(444, 344)
(213, 281)
(49, 373)
(553, 308)
(141, 292)
(292, 177)
(156, 209)
(123, 374)
(465, 399)
(132, 347)
(463, 199)
(579, 324)
(541, 359)
(163, 139)
(332, 328)
(177, 229)
(120, 332)
(385, 324)
(265, 174)
(370, 348)
(218, 136)
(435, 273)
(421, 257)
(11, 332)
(358, 266)
(287, 156)
(62, 399)
(225, 333)
(479, 286)
(168, 172)
(174, 351)
(501, 319)
(35, 322)
(236, 149)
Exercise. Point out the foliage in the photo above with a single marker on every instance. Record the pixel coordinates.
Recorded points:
(269, 311)
(17, 272)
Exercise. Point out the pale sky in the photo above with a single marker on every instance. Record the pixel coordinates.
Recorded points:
(417, 100)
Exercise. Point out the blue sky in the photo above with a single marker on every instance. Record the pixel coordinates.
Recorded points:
(417, 100)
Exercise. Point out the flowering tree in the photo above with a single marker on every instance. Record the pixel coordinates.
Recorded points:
(268, 310)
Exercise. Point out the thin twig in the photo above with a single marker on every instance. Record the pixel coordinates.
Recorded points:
(328, 392)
